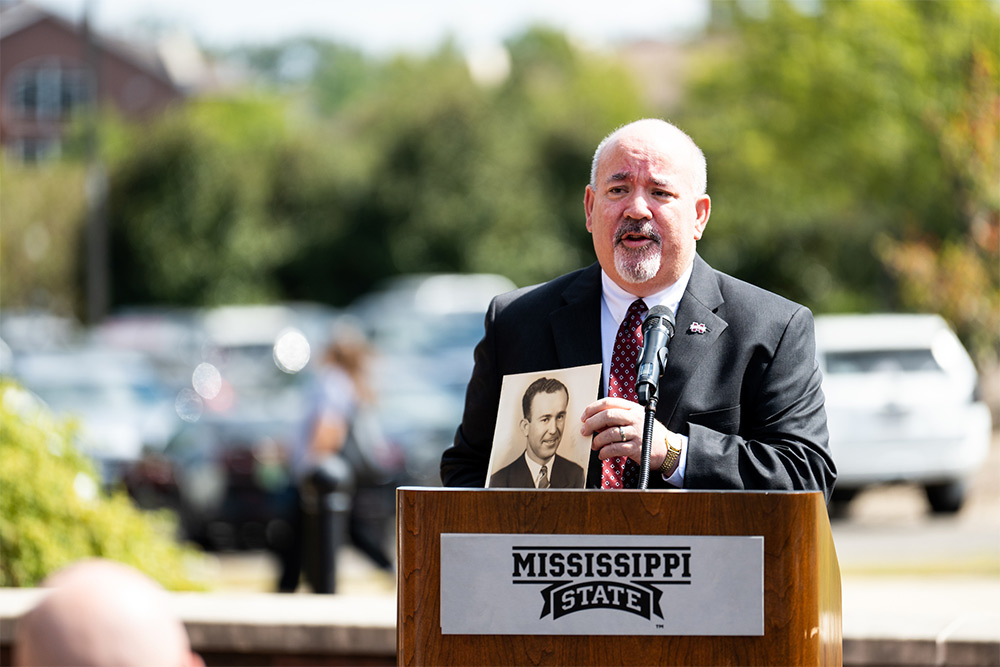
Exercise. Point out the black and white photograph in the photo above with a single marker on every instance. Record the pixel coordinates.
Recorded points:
(538, 443)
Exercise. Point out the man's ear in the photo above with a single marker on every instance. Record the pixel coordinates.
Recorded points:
(524, 427)
(702, 209)
(589, 196)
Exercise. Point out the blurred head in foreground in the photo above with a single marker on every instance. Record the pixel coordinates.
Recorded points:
(102, 613)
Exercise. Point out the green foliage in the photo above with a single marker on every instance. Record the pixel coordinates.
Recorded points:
(52, 512)
(830, 135)
(333, 74)
(854, 153)
(416, 169)
(43, 213)
(198, 206)
(341, 76)
(467, 177)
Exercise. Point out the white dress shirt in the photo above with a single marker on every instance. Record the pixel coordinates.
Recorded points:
(614, 305)
(536, 468)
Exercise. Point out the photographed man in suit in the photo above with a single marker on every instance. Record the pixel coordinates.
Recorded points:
(740, 404)
(543, 407)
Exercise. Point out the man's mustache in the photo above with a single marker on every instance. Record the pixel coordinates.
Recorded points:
(637, 227)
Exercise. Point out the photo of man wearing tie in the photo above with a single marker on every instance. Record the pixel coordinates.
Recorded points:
(543, 407)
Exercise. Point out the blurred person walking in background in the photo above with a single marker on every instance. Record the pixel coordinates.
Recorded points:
(339, 423)
(102, 613)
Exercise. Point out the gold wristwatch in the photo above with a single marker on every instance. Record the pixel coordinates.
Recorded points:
(673, 454)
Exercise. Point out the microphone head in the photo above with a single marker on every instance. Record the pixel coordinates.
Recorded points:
(659, 316)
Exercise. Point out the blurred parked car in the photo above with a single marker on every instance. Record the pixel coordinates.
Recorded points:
(32, 330)
(6, 358)
(903, 405)
(258, 358)
(170, 337)
(425, 328)
(227, 478)
(418, 416)
(118, 398)
(432, 321)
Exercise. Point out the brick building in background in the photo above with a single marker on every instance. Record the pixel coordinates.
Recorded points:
(51, 69)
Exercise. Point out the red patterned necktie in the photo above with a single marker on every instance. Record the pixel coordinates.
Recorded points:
(621, 472)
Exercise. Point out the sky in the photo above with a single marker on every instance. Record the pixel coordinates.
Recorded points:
(385, 27)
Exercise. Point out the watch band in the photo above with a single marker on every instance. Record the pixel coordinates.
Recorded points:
(673, 454)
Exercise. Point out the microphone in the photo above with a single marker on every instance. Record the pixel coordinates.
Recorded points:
(657, 331)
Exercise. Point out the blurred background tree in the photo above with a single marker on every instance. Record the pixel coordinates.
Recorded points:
(853, 152)
(42, 212)
(336, 184)
(853, 155)
(472, 177)
(205, 203)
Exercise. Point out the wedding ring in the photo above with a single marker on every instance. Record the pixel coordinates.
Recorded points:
(621, 434)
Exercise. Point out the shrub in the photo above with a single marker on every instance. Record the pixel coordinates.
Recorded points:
(54, 512)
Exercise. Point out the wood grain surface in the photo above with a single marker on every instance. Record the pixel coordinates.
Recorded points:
(802, 603)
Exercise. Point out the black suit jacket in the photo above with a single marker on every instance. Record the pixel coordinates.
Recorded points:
(746, 392)
(516, 475)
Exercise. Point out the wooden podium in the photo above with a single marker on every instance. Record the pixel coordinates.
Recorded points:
(801, 576)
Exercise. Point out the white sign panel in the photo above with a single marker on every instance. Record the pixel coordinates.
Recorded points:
(513, 584)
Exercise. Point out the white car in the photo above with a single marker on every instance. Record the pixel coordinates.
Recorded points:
(903, 405)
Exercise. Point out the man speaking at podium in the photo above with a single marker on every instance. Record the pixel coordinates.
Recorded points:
(739, 403)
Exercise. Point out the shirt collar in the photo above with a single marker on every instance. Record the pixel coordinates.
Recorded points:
(618, 300)
(535, 468)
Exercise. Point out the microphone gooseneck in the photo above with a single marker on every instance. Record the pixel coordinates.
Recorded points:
(657, 330)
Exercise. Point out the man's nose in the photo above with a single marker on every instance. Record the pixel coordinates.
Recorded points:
(638, 208)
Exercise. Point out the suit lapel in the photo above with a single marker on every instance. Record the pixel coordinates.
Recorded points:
(690, 343)
(576, 328)
(522, 475)
(577, 324)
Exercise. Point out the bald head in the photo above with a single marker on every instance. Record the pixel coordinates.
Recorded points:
(654, 130)
(102, 613)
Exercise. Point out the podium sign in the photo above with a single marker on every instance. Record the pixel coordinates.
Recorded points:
(519, 577)
(519, 584)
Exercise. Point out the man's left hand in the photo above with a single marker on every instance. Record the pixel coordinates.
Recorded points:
(616, 425)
